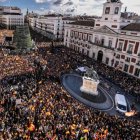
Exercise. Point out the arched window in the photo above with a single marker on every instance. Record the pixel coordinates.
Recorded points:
(116, 10)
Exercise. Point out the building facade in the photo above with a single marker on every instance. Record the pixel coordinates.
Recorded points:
(117, 46)
(52, 26)
(11, 16)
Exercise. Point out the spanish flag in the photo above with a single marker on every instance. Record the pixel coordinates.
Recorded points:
(31, 128)
(67, 133)
(85, 130)
(48, 113)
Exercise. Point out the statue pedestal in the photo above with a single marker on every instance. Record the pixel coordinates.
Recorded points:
(89, 86)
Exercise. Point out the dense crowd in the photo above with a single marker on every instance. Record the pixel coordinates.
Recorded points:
(11, 65)
(40, 109)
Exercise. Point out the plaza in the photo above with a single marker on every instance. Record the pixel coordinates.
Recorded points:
(63, 86)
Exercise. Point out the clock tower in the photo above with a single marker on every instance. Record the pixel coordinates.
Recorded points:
(111, 15)
(112, 9)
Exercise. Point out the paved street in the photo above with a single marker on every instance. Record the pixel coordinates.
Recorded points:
(72, 86)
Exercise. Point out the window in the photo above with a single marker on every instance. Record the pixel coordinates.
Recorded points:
(121, 65)
(137, 72)
(126, 67)
(130, 48)
(93, 55)
(133, 33)
(87, 53)
(117, 63)
(138, 63)
(85, 37)
(67, 34)
(89, 39)
(122, 56)
(133, 60)
(110, 43)
(116, 10)
(107, 60)
(118, 56)
(106, 18)
(96, 39)
(107, 10)
(114, 26)
(127, 59)
(120, 46)
(80, 36)
(102, 41)
(97, 24)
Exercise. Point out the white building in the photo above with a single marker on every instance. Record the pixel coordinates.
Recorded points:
(110, 40)
(112, 16)
(51, 26)
(11, 16)
(8, 9)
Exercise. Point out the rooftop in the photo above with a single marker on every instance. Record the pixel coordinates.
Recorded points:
(11, 13)
(69, 18)
(90, 23)
(10, 7)
(52, 15)
(80, 18)
(113, 0)
(132, 27)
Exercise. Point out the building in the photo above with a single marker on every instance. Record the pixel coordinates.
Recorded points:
(29, 15)
(110, 39)
(127, 52)
(52, 25)
(11, 16)
(112, 16)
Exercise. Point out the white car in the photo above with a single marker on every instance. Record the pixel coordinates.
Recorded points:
(120, 102)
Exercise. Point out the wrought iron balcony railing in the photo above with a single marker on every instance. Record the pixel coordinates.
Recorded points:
(129, 52)
(119, 49)
(101, 45)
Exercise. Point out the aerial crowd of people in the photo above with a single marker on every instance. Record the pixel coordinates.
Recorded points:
(35, 106)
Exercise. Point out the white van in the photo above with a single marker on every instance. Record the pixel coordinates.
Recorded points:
(120, 103)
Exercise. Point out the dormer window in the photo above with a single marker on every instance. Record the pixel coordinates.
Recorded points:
(116, 10)
(107, 10)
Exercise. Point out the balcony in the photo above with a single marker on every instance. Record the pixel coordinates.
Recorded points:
(101, 45)
(126, 60)
(118, 57)
(119, 49)
(138, 63)
(129, 52)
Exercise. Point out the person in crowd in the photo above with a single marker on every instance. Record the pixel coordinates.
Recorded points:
(34, 105)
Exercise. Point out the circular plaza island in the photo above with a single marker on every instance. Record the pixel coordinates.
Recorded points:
(88, 90)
